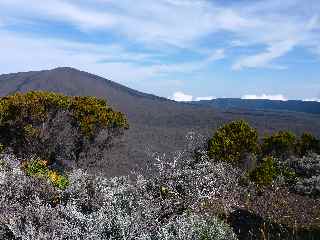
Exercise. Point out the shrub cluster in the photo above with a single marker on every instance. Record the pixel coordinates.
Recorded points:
(57, 127)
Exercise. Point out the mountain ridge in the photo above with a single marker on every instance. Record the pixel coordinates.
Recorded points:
(264, 104)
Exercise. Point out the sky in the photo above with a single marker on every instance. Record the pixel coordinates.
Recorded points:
(180, 49)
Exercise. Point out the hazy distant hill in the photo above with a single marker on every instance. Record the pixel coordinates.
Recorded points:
(156, 124)
(258, 104)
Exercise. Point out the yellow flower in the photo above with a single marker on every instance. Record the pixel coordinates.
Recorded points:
(44, 162)
(54, 176)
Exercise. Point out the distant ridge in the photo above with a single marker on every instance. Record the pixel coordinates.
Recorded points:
(157, 125)
(263, 104)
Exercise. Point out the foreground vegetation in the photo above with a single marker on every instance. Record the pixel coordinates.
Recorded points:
(237, 186)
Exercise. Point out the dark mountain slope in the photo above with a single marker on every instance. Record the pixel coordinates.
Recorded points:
(263, 104)
(156, 124)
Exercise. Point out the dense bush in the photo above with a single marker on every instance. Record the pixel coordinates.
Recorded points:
(281, 144)
(233, 141)
(57, 127)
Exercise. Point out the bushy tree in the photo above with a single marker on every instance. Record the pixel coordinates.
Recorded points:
(59, 128)
(281, 144)
(233, 141)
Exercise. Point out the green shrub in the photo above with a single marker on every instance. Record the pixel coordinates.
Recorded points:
(232, 141)
(264, 174)
(307, 143)
(281, 144)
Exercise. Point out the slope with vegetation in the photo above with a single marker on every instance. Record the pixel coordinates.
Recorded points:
(156, 124)
(234, 186)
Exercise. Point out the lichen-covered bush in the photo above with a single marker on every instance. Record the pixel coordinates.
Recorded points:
(232, 141)
(95, 207)
(57, 127)
(309, 186)
(281, 144)
(306, 166)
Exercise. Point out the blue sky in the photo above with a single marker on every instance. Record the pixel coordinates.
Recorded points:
(180, 49)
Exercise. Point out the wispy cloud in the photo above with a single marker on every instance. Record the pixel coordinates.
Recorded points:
(190, 66)
(183, 23)
(110, 61)
(274, 51)
(27, 53)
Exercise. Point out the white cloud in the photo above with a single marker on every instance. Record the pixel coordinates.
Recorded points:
(265, 96)
(181, 97)
(205, 98)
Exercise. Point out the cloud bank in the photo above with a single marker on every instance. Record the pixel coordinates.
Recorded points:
(183, 97)
(312, 100)
(265, 96)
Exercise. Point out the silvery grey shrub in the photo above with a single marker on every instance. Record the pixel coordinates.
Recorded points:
(167, 206)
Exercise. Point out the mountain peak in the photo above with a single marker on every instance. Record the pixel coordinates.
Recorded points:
(65, 69)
